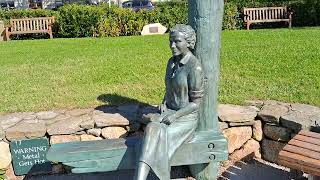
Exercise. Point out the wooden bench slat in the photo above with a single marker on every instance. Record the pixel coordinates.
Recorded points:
(307, 139)
(302, 160)
(304, 168)
(305, 145)
(302, 151)
(310, 134)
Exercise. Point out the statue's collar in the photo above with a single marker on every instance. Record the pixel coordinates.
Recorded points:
(185, 59)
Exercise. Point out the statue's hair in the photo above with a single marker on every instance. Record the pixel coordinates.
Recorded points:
(188, 32)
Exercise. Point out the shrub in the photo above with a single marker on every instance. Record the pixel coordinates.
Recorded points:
(231, 18)
(79, 20)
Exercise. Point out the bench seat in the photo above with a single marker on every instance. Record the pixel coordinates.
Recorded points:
(302, 153)
(116, 154)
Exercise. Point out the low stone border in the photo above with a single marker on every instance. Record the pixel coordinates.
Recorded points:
(258, 128)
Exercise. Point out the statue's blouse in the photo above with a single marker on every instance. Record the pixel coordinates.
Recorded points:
(184, 81)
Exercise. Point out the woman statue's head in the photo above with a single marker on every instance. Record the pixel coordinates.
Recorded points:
(182, 39)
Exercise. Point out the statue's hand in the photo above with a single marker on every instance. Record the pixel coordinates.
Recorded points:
(168, 119)
(163, 107)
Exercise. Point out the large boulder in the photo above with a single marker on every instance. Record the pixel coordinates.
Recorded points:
(237, 136)
(236, 114)
(271, 149)
(5, 155)
(108, 119)
(272, 111)
(25, 130)
(302, 116)
(277, 133)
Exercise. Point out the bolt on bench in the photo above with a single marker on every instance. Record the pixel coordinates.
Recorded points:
(302, 153)
(267, 14)
(30, 25)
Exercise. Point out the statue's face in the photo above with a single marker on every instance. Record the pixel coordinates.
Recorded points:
(178, 44)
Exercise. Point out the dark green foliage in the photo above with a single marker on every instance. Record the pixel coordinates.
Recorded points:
(231, 18)
(79, 20)
(6, 15)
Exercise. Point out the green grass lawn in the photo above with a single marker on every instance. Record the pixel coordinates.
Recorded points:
(279, 64)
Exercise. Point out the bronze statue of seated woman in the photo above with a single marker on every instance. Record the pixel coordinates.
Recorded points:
(178, 120)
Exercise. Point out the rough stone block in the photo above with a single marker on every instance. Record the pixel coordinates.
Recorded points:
(277, 133)
(234, 113)
(107, 119)
(257, 132)
(5, 155)
(237, 136)
(271, 149)
(113, 132)
(272, 111)
(251, 146)
(25, 130)
(55, 139)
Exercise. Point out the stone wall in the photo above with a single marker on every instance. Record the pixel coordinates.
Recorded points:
(260, 129)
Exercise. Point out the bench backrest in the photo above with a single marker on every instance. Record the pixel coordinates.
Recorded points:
(31, 25)
(265, 13)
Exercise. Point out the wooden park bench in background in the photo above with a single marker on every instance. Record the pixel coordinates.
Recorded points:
(30, 25)
(302, 153)
(267, 14)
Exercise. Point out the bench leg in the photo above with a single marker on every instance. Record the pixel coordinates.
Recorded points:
(50, 32)
(7, 34)
(290, 23)
(248, 25)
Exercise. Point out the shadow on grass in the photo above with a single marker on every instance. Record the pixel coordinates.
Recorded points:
(116, 99)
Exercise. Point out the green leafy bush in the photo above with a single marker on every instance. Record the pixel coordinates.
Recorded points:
(79, 20)
(231, 18)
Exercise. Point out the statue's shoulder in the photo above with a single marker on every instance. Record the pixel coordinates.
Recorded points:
(195, 63)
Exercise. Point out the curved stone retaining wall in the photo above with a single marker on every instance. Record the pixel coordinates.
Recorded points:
(260, 128)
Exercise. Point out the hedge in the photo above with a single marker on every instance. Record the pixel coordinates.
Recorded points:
(77, 20)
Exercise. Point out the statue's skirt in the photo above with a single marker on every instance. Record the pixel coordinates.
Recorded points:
(161, 141)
